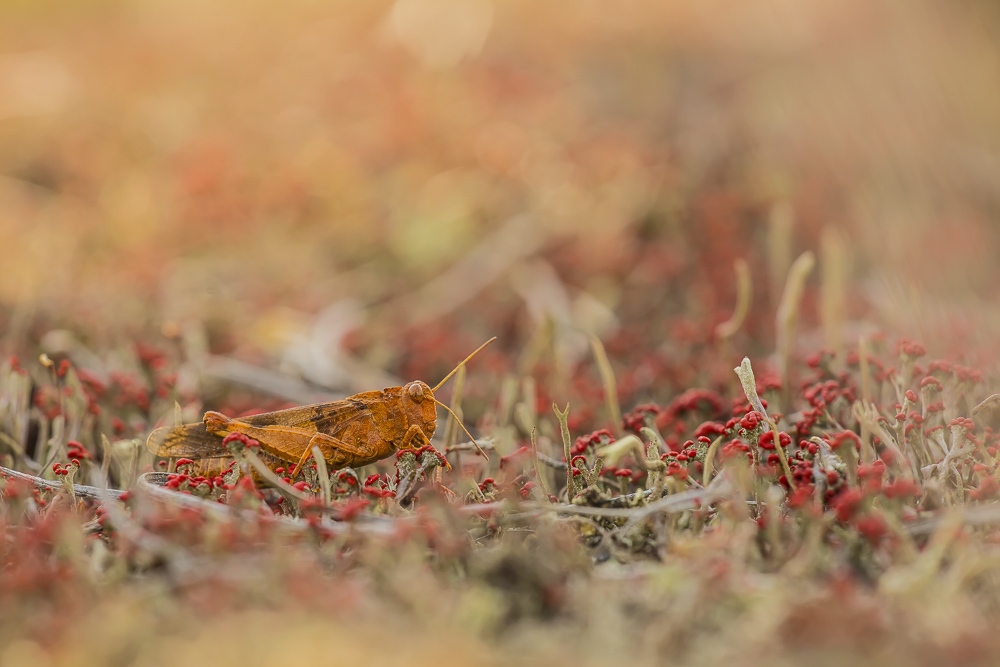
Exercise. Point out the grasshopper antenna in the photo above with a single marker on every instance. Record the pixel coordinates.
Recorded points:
(460, 421)
(448, 376)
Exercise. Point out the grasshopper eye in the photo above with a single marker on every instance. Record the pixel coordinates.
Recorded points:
(416, 392)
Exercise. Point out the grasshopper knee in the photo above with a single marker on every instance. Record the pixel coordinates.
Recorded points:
(216, 422)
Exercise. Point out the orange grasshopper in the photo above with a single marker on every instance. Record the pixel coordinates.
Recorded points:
(358, 430)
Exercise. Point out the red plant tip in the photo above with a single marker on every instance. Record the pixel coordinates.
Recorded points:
(988, 488)
(873, 528)
(766, 440)
(642, 416)
(504, 460)
(931, 382)
(940, 366)
(63, 367)
(801, 496)
(240, 437)
(751, 420)
(602, 437)
(353, 508)
(822, 357)
(968, 375)
(846, 504)
(963, 422)
(689, 401)
(734, 449)
(578, 458)
(902, 488)
(624, 472)
(709, 429)
(845, 436)
(75, 449)
(911, 348)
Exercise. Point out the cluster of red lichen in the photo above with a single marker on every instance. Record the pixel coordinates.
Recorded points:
(857, 488)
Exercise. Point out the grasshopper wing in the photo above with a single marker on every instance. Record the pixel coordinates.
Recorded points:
(195, 441)
(190, 440)
(329, 418)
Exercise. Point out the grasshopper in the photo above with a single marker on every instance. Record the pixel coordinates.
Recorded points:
(353, 432)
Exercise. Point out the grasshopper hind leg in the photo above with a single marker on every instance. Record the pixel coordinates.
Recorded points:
(306, 453)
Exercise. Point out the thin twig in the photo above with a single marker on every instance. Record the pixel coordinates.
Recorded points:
(469, 446)
(976, 516)
(552, 463)
(680, 502)
(151, 483)
(78, 489)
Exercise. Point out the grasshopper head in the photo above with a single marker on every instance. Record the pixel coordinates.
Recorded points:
(419, 406)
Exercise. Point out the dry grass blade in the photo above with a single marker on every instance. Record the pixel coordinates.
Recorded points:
(744, 296)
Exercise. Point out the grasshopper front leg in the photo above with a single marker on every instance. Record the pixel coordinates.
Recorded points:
(416, 433)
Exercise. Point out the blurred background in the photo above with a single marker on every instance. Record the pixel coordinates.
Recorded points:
(347, 193)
